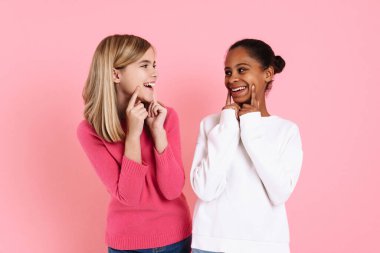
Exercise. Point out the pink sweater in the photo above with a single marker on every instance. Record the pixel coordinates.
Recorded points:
(147, 207)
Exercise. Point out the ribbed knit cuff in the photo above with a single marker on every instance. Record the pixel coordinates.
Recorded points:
(131, 181)
(170, 174)
(131, 167)
(250, 117)
(250, 125)
(162, 159)
(228, 118)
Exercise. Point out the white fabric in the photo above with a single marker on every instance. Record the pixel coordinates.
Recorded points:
(243, 173)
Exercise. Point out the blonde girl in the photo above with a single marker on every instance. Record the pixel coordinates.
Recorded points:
(133, 143)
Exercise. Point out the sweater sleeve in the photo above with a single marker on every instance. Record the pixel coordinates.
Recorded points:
(213, 153)
(123, 181)
(277, 157)
(169, 167)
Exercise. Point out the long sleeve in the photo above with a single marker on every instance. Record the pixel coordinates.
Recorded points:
(213, 153)
(170, 172)
(123, 181)
(277, 155)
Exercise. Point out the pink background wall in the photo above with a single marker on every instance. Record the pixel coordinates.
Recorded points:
(52, 201)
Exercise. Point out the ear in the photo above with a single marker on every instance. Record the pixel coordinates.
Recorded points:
(115, 75)
(269, 73)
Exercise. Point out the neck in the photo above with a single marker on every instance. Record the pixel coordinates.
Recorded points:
(122, 103)
(262, 107)
(264, 113)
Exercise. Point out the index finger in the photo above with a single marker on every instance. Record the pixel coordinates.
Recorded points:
(154, 97)
(132, 101)
(228, 101)
(253, 97)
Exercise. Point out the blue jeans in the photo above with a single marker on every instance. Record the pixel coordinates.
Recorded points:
(183, 246)
(203, 251)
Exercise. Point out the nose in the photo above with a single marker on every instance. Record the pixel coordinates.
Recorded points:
(154, 72)
(233, 78)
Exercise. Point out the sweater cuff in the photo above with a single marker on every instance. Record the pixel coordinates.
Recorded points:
(250, 124)
(162, 159)
(228, 118)
(133, 168)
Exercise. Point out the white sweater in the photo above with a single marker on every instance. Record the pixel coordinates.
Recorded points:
(243, 173)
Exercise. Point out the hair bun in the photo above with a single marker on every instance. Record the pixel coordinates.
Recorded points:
(279, 64)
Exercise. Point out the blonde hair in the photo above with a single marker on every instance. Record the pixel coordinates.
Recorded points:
(99, 93)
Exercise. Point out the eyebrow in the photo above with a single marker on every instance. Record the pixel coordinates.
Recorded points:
(239, 64)
(146, 61)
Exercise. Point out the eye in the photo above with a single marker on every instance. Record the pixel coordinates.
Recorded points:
(154, 66)
(227, 72)
(144, 66)
(241, 70)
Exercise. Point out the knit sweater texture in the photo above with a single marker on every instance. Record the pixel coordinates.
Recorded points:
(147, 208)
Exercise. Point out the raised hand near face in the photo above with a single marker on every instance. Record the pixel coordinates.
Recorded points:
(135, 115)
(156, 116)
(254, 106)
(230, 105)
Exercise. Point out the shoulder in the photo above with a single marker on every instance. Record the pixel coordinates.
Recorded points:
(86, 131)
(285, 125)
(172, 119)
(171, 112)
(215, 117)
(84, 126)
(210, 121)
(171, 116)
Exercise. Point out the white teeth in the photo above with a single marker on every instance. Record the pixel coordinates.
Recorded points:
(237, 89)
(149, 84)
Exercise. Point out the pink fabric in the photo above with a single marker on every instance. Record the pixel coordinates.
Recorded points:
(147, 207)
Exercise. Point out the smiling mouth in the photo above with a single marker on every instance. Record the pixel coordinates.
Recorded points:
(149, 84)
(237, 90)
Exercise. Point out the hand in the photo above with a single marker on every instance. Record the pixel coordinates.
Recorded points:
(230, 105)
(156, 117)
(135, 115)
(155, 121)
(252, 107)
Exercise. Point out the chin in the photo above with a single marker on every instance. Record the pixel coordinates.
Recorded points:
(146, 99)
(242, 100)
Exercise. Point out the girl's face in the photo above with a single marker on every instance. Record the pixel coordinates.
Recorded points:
(242, 72)
(140, 73)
